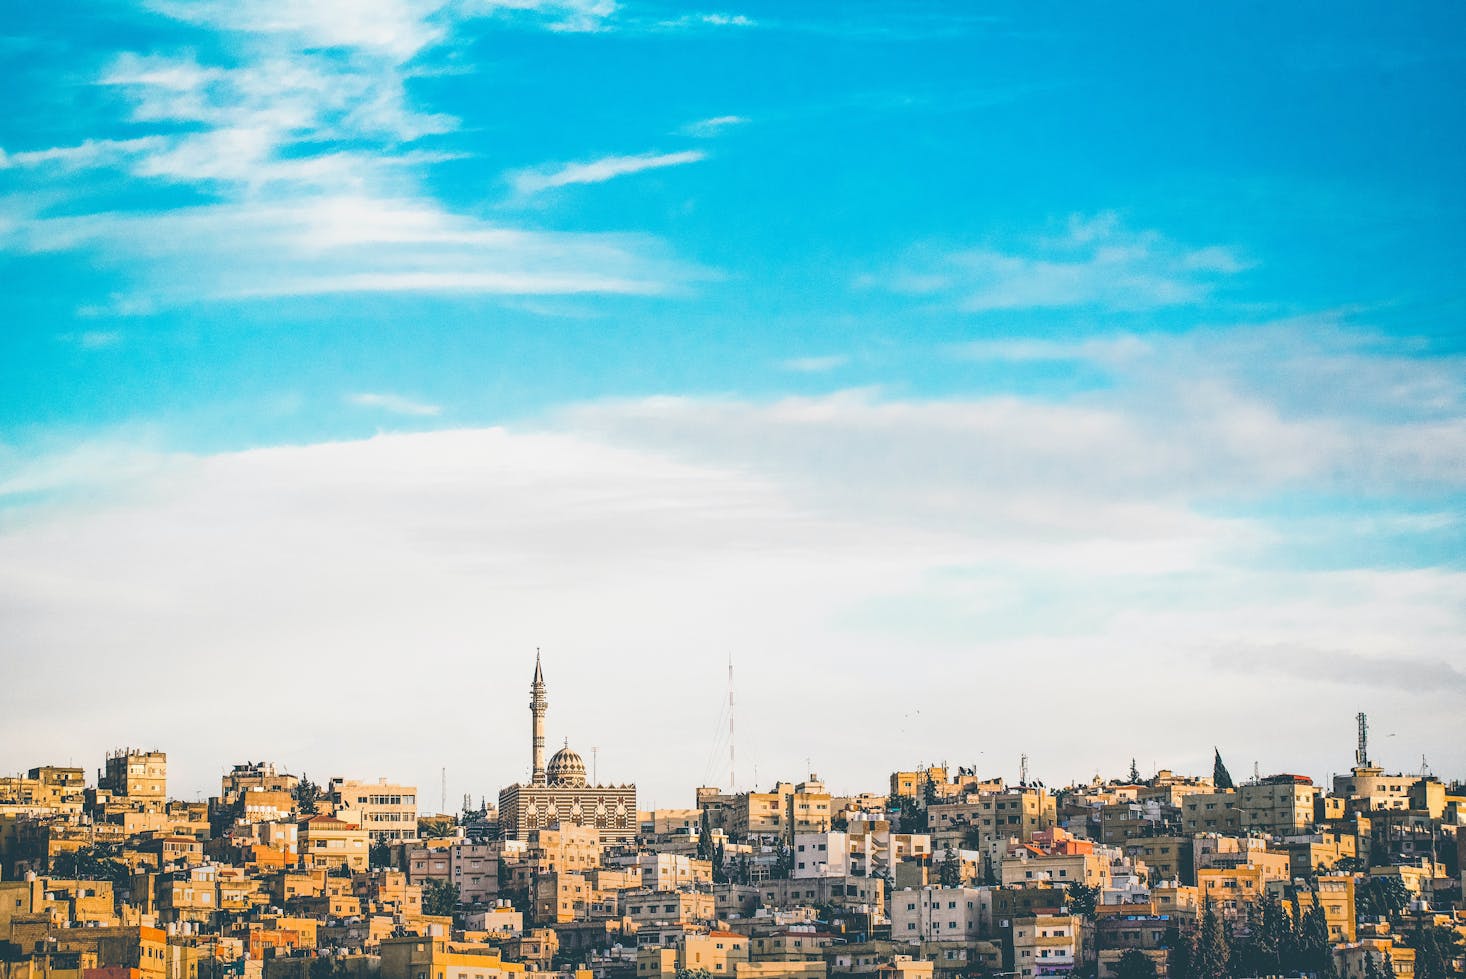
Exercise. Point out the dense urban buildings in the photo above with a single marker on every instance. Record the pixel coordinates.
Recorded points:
(943, 874)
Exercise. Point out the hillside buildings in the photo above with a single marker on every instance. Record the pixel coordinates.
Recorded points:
(947, 876)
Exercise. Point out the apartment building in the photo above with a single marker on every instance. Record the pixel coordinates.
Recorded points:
(387, 811)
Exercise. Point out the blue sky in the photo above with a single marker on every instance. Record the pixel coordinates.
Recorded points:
(925, 339)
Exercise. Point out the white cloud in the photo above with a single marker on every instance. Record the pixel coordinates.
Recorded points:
(528, 182)
(814, 365)
(842, 540)
(1095, 261)
(298, 133)
(98, 339)
(90, 153)
(708, 20)
(340, 244)
(1105, 350)
(395, 403)
(707, 128)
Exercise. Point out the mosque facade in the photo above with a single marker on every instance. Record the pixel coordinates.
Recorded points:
(559, 793)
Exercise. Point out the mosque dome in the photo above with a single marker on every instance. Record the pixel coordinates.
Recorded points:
(566, 768)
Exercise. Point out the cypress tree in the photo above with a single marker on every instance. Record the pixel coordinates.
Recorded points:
(1213, 951)
(1221, 778)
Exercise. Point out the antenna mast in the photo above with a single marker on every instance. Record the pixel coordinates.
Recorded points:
(443, 805)
(732, 768)
(1361, 754)
(1023, 769)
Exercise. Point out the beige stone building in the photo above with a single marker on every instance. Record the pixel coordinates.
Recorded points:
(1232, 889)
(435, 958)
(1167, 857)
(1335, 893)
(327, 843)
(1367, 787)
(1019, 812)
(650, 908)
(140, 777)
(1282, 804)
(1213, 851)
(559, 793)
(785, 811)
(1211, 812)
(1046, 944)
(387, 811)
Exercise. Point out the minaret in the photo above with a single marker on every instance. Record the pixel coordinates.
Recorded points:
(538, 701)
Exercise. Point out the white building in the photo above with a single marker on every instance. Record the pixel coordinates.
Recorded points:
(821, 855)
(938, 914)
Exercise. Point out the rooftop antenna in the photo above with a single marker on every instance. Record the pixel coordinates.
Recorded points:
(1023, 769)
(1361, 754)
(1256, 773)
(732, 767)
(595, 764)
(443, 806)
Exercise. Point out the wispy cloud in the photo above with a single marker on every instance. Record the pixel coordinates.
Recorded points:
(90, 153)
(396, 404)
(708, 20)
(93, 339)
(1340, 666)
(345, 244)
(814, 365)
(529, 182)
(299, 130)
(1093, 262)
(708, 128)
(1101, 350)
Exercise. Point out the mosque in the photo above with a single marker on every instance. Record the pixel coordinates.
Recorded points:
(559, 793)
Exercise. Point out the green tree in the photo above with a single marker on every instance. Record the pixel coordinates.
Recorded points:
(1213, 950)
(307, 794)
(1220, 777)
(98, 862)
(1436, 949)
(221, 820)
(783, 862)
(1316, 949)
(949, 871)
(720, 868)
(1135, 964)
(439, 897)
(436, 827)
(380, 855)
(1083, 899)
(906, 814)
(1380, 897)
(1270, 933)
(705, 838)
(1181, 958)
